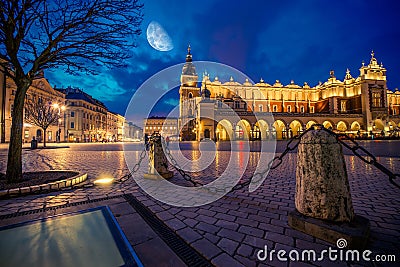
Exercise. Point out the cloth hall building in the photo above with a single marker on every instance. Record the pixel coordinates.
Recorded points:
(360, 106)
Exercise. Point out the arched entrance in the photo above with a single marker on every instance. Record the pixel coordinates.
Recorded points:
(309, 124)
(295, 128)
(224, 130)
(264, 129)
(355, 126)
(242, 130)
(207, 133)
(378, 125)
(341, 126)
(328, 125)
(280, 130)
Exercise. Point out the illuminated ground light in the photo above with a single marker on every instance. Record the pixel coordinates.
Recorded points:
(104, 181)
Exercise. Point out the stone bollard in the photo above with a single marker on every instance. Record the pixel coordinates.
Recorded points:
(322, 186)
(158, 164)
(323, 202)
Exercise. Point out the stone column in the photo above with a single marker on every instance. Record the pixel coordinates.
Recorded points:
(323, 202)
(322, 186)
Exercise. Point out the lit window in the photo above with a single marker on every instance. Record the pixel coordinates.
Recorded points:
(376, 100)
(343, 105)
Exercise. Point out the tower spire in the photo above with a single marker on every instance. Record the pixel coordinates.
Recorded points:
(189, 55)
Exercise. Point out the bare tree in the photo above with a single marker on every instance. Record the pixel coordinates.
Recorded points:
(78, 35)
(42, 114)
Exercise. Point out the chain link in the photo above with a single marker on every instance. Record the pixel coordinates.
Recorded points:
(135, 167)
(257, 177)
(292, 144)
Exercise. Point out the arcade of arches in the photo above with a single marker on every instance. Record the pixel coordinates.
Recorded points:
(280, 129)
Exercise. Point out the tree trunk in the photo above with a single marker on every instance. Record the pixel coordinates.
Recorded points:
(14, 163)
(44, 137)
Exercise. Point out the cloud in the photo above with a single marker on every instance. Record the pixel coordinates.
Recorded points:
(172, 102)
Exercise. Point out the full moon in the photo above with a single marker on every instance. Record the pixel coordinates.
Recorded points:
(158, 38)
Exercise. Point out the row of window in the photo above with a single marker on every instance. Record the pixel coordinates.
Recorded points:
(158, 128)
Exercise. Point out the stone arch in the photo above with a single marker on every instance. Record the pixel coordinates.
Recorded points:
(295, 128)
(224, 130)
(279, 128)
(328, 125)
(264, 129)
(392, 125)
(341, 126)
(242, 130)
(355, 126)
(379, 125)
(310, 123)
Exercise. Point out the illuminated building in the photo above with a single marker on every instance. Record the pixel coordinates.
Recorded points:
(40, 90)
(166, 126)
(132, 132)
(84, 119)
(357, 105)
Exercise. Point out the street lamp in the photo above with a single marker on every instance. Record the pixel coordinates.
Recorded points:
(60, 108)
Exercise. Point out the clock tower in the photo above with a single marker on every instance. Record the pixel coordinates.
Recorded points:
(189, 93)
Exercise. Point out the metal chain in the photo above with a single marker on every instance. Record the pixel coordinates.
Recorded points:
(176, 166)
(293, 143)
(367, 158)
(273, 164)
(277, 161)
(135, 167)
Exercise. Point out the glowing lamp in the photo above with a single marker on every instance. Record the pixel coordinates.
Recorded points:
(104, 181)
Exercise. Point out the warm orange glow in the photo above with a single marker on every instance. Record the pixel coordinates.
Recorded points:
(104, 181)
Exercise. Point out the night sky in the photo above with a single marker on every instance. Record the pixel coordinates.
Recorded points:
(275, 40)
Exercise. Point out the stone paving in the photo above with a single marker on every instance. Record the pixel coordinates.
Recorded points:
(230, 231)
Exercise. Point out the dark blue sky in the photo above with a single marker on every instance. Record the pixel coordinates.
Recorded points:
(284, 40)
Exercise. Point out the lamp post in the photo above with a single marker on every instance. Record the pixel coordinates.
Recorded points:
(60, 108)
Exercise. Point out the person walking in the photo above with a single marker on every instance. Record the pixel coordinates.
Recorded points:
(167, 140)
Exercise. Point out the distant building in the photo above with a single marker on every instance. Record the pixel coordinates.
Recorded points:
(361, 105)
(132, 132)
(115, 127)
(85, 117)
(165, 126)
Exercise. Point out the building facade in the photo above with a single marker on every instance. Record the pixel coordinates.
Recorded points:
(132, 132)
(40, 90)
(360, 106)
(82, 117)
(88, 119)
(166, 126)
(115, 127)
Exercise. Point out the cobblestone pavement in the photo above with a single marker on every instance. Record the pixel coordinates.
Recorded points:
(230, 231)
